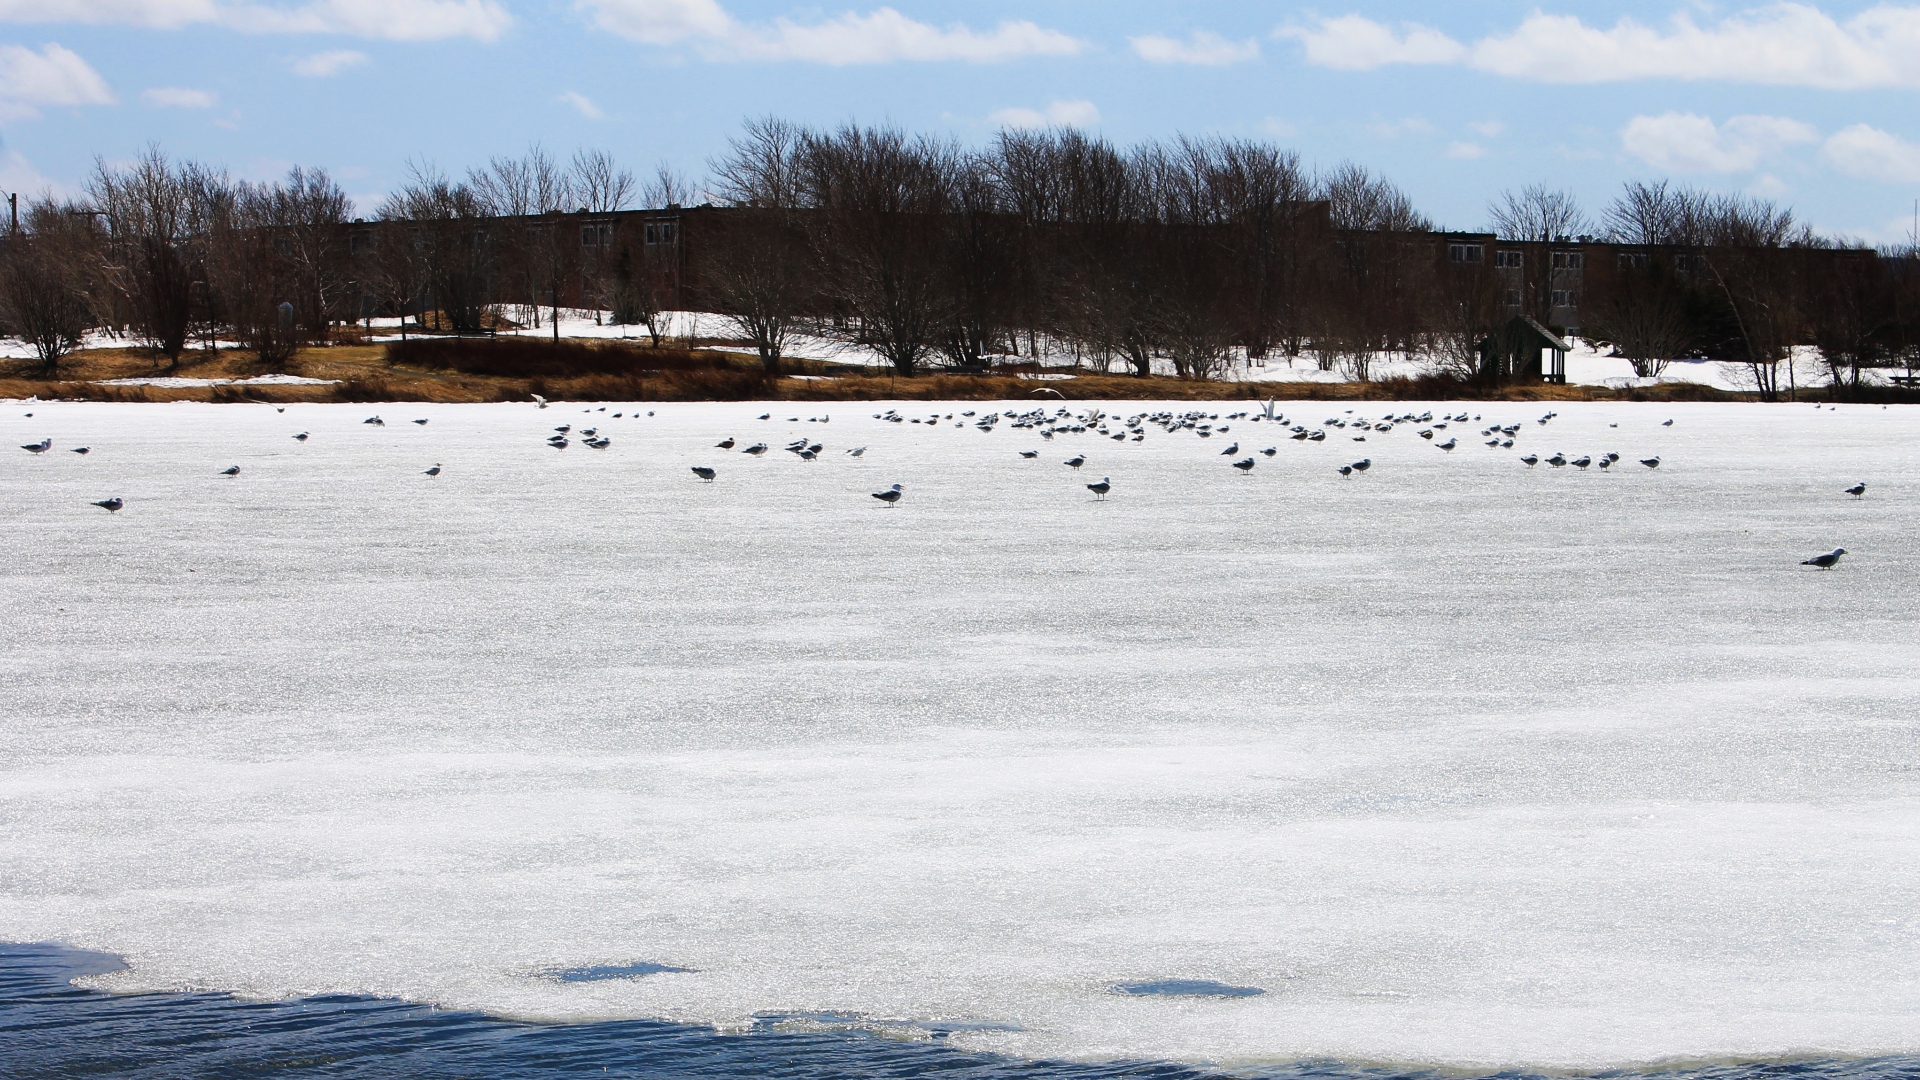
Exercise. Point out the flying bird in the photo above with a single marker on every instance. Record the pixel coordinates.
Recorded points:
(435, 471)
(703, 473)
(110, 505)
(1827, 561)
(40, 447)
(540, 400)
(889, 496)
(1857, 490)
(1100, 489)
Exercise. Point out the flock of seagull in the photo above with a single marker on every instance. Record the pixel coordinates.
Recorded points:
(1064, 422)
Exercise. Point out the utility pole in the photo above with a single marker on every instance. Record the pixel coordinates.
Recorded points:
(13, 212)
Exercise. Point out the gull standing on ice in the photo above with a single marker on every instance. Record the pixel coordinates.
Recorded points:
(1076, 461)
(435, 471)
(82, 450)
(889, 496)
(1100, 489)
(1827, 561)
(110, 505)
(231, 470)
(1858, 490)
(40, 447)
(703, 473)
(1651, 462)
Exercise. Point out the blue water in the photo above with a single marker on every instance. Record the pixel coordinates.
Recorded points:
(50, 1029)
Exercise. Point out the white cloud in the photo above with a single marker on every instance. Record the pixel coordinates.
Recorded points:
(1201, 47)
(1786, 44)
(397, 20)
(1357, 43)
(1466, 151)
(1057, 114)
(1488, 128)
(878, 37)
(1871, 154)
(1278, 128)
(1685, 142)
(583, 104)
(322, 65)
(52, 76)
(178, 97)
(1394, 129)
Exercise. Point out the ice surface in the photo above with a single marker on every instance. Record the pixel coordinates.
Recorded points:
(1460, 762)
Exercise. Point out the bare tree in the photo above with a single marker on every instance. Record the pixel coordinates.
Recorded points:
(1540, 215)
(756, 268)
(156, 218)
(448, 251)
(44, 295)
(599, 184)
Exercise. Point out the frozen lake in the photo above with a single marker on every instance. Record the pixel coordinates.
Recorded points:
(1460, 762)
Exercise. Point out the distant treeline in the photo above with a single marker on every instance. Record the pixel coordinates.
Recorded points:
(1187, 253)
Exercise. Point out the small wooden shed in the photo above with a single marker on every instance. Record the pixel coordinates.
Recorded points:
(1523, 351)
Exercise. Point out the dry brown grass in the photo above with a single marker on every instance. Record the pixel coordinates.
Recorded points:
(367, 373)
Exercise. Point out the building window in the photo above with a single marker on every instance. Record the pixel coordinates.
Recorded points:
(1636, 260)
(1687, 264)
(1568, 260)
(359, 243)
(596, 236)
(1563, 298)
(1508, 260)
(661, 232)
(1466, 253)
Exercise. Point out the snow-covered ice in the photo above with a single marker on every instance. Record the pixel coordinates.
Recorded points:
(1458, 761)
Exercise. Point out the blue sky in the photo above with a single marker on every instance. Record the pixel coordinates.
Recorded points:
(1809, 103)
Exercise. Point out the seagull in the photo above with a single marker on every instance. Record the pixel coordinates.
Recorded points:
(1557, 460)
(375, 421)
(1100, 489)
(1827, 561)
(857, 451)
(703, 473)
(558, 442)
(1345, 471)
(40, 447)
(1668, 423)
(766, 416)
(1448, 445)
(1651, 462)
(1076, 461)
(1231, 450)
(1029, 453)
(564, 428)
(889, 496)
(1857, 490)
(1245, 465)
(302, 437)
(756, 449)
(726, 444)
(231, 470)
(1582, 461)
(1606, 462)
(1363, 464)
(435, 471)
(82, 450)
(422, 423)
(540, 400)
(1270, 451)
(110, 505)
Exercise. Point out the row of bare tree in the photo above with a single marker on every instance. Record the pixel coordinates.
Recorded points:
(1189, 253)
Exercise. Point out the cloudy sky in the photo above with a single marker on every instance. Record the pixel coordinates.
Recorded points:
(1809, 103)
